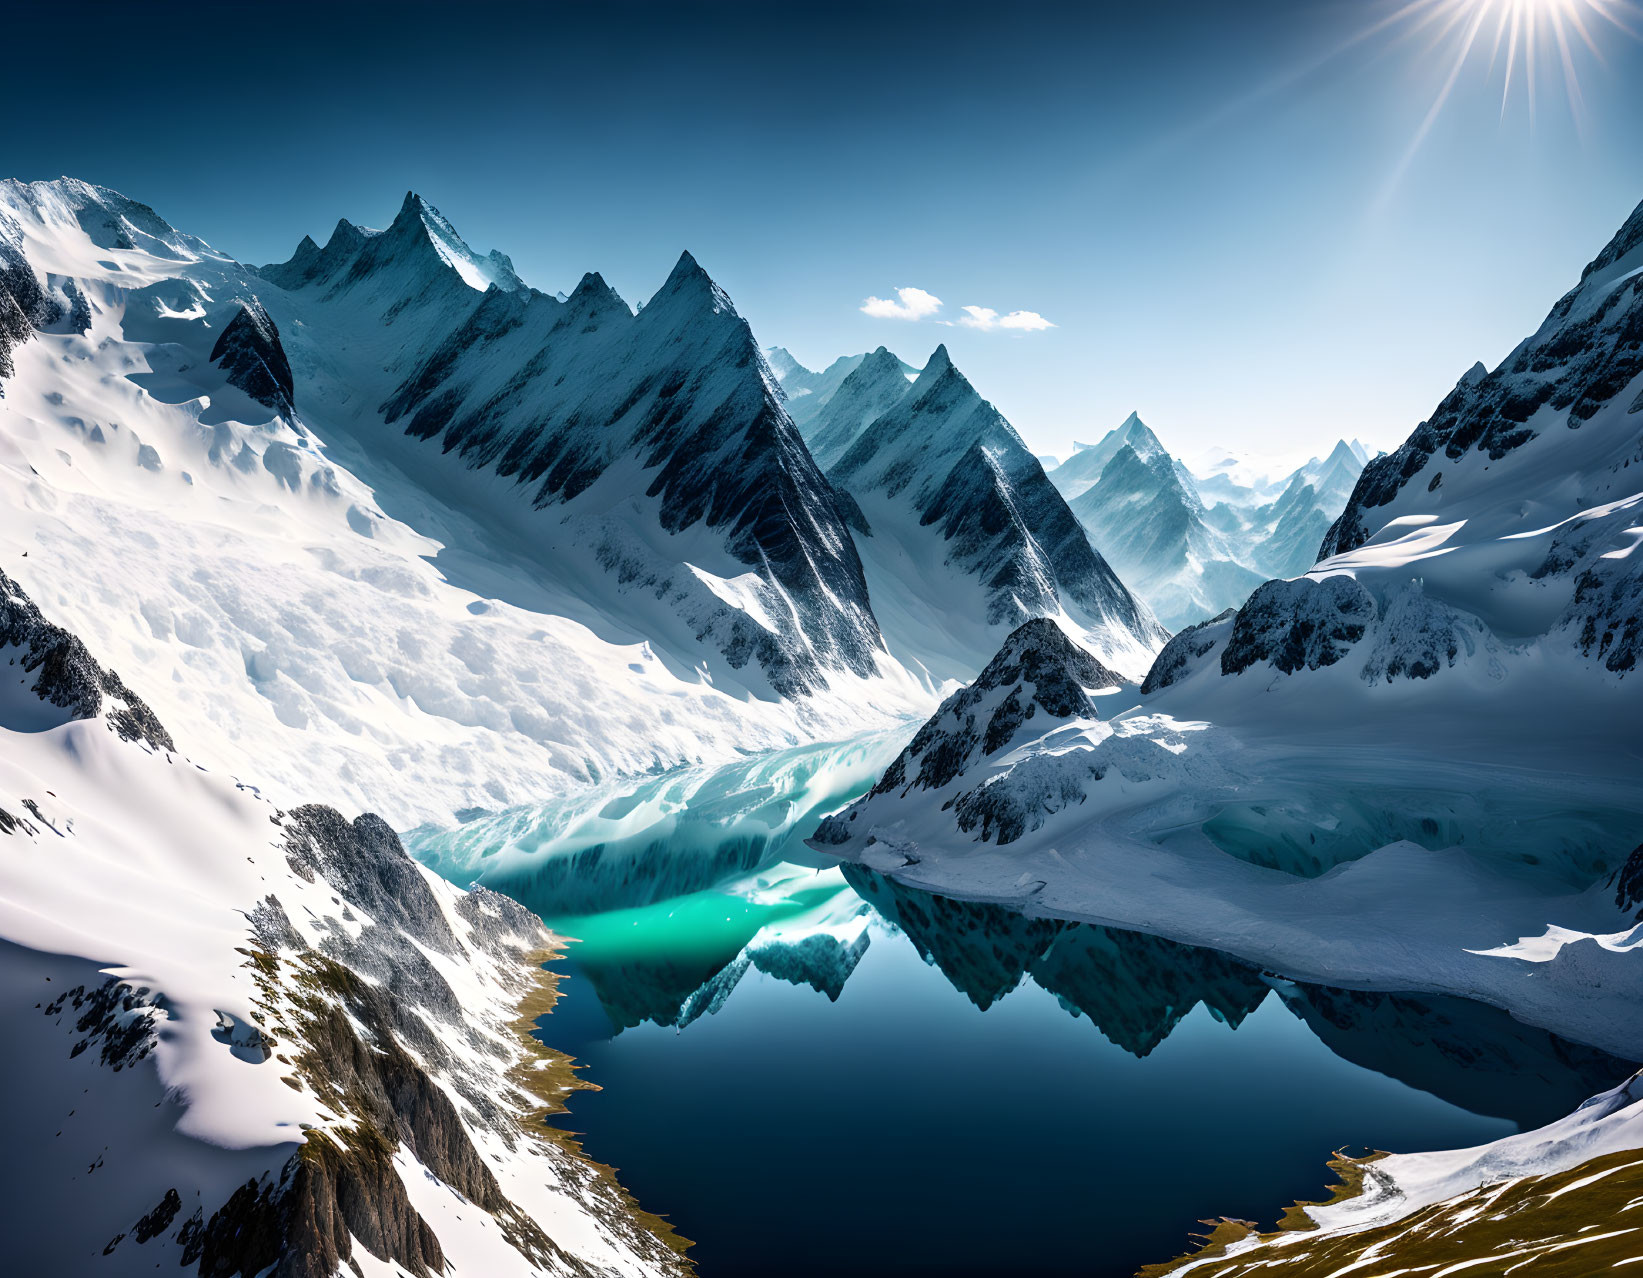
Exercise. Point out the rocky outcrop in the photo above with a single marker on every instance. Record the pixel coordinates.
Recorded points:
(66, 675)
(1039, 677)
(1182, 653)
(1628, 884)
(1586, 352)
(249, 351)
(1037, 669)
(341, 988)
(1298, 624)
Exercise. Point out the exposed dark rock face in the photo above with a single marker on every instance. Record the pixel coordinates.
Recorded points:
(1039, 675)
(554, 394)
(1038, 668)
(365, 861)
(876, 385)
(68, 676)
(1628, 891)
(116, 1018)
(1182, 653)
(1607, 610)
(24, 305)
(359, 1017)
(959, 469)
(1588, 350)
(249, 351)
(1298, 624)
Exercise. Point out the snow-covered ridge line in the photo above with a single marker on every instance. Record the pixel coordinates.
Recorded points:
(1585, 356)
(962, 536)
(204, 1061)
(274, 574)
(1193, 546)
(581, 431)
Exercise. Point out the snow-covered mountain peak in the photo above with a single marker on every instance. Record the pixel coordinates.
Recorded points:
(937, 366)
(689, 287)
(877, 384)
(109, 219)
(1038, 679)
(596, 299)
(1138, 435)
(782, 363)
(942, 388)
(494, 269)
(1341, 455)
(1620, 255)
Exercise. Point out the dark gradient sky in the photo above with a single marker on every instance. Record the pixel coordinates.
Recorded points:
(1216, 204)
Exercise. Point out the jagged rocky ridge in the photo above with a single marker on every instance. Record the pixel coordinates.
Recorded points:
(1149, 522)
(836, 406)
(25, 306)
(66, 676)
(941, 478)
(373, 998)
(1500, 530)
(249, 351)
(808, 393)
(1038, 679)
(1147, 512)
(616, 434)
(1585, 355)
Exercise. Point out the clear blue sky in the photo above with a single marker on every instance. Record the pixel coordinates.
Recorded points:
(1217, 205)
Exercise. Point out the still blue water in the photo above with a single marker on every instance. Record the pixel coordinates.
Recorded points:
(810, 1070)
(946, 1113)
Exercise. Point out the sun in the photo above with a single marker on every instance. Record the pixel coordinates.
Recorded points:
(1527, 42)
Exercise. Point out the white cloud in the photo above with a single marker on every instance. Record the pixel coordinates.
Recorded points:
(915, 304)
(1027, 321)
(986, 319)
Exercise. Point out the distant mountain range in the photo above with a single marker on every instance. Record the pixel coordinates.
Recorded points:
(1193, 545)
(962, 535)
(1190, 545)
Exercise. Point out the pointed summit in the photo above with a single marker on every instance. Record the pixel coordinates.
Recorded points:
(593, 300)
(419, 222)
(940, 362)
(1341, 454)
(687, 276)
(687, 296)
(876, 385)
(782, 363)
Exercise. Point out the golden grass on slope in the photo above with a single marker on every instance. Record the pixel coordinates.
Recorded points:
(548, 1077)
(1573, 1224)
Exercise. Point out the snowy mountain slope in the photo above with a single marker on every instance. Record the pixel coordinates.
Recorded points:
(807, 392)
(1580, 365)
(965, 538)
(642, 462)
(1557, 1200)
(1505, 528)
(876, 385)
(202, 1067)
(1414, 767)
(351, 640)
(1079, 472)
